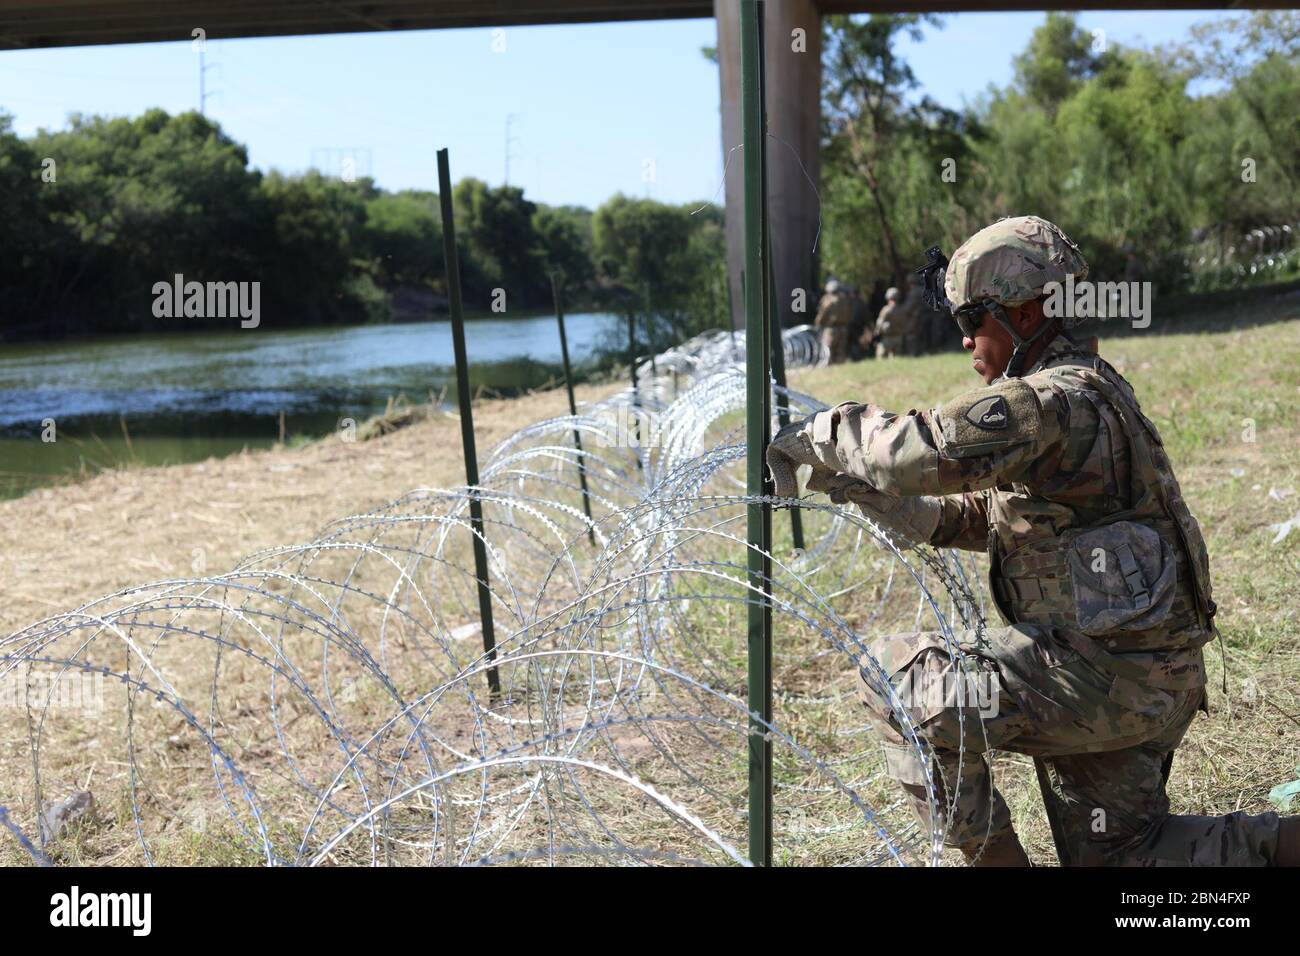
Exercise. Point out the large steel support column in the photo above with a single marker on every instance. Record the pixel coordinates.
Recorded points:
(793, 115)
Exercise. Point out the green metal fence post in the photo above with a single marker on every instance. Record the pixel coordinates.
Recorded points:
(651, 337)
(758, 422)
(466, 419)
(573, 407)
(778, 374)
(636, 391)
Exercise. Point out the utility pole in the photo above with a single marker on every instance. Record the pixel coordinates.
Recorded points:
(510, 118)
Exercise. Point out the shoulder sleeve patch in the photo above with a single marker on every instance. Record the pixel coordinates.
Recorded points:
(987, 419)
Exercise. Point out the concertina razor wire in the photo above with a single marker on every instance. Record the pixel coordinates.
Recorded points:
(327, 703)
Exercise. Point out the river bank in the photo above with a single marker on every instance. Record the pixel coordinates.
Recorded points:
(65, 545)
(73, 408)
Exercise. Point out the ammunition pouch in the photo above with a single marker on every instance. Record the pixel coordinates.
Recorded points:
(1127, 585)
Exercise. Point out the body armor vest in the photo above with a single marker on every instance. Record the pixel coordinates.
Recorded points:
(1136, 580)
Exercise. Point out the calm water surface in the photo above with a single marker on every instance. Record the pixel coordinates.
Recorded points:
(189, 396)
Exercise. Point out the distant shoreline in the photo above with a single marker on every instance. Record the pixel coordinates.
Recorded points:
(200, 326)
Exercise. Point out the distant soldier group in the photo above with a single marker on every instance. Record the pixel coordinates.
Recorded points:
(902, 327)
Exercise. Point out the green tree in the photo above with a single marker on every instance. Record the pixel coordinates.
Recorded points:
(863, 109)
(403, 236)
(138, 200)
(496, 227)
(314, 267)
(27, 241)
(663, 263)
(564, 234)
(636, 243)
(1061, 56)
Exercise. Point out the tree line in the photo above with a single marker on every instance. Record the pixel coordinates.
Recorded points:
(98, 213)
(1170, 165)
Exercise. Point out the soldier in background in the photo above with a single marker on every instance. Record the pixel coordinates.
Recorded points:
(834, 317)
(892, 326)
(1096, 567)
(877, 300)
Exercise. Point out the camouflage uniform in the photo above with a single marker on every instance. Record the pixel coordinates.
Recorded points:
(895, 329)
(835, 319)
(1098, 571)
(886, 343)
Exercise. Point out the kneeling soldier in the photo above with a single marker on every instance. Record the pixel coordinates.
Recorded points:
(1097, 568)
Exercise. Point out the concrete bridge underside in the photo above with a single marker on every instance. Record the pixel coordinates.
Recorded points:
(793, 77)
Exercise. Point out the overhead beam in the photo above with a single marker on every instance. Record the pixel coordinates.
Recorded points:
(26, 24)
(29, 24)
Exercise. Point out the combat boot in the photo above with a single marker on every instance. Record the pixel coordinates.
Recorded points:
(1004, 851)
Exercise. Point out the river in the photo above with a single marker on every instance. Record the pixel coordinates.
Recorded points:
(166, 399)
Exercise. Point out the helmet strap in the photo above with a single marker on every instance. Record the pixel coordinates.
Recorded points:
(1015, 366)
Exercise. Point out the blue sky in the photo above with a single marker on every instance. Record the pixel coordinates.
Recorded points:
(591, 103)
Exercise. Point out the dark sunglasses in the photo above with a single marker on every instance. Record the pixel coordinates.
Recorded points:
(970, 318)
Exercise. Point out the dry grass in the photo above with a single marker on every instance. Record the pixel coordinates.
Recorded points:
(62, 546)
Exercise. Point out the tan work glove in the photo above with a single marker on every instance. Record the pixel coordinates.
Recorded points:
(790, 448)
(808, 442)
(914, 519)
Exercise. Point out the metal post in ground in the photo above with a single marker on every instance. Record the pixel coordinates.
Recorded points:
(778, 375)
(573, 407)
(467, 419)
(758, 421)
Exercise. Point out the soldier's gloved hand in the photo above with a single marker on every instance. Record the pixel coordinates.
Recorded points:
(837, 486)
(791, 447)
(808, 442)
(913, 519)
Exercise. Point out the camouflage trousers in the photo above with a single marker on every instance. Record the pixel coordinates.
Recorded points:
(835, 340)
(1108, 743)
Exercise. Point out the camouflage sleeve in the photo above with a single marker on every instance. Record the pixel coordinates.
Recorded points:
(982, 438)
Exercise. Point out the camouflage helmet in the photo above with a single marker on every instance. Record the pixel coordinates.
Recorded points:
(1010, 262)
